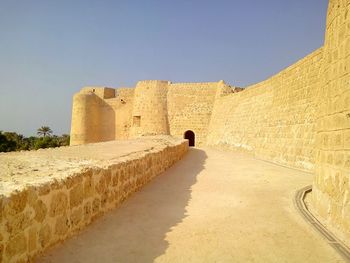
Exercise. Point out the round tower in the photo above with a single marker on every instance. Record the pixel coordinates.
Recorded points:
(150, 115)
(85, 127)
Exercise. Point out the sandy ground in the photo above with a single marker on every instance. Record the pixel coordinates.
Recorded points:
(212, 206)
(18, 169)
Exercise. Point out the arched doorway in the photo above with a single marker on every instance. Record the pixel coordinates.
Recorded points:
(189, 135)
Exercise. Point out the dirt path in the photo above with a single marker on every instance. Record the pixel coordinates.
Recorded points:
(213, 206)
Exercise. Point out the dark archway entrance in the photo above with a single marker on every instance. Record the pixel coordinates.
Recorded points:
(189, 135)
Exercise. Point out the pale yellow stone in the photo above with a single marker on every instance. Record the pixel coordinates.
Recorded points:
(40, 211)
(45, 234)
(32, 239)
(62, 225)
(17, 245)
(58, 204)
(76, 195)
(19, 222)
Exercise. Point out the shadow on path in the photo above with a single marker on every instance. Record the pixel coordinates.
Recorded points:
(136, 231)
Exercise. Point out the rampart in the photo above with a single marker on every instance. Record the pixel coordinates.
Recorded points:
(331, 188)
(274, 119)
(58, 192)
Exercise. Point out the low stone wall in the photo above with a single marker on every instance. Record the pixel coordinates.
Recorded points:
(37, 217)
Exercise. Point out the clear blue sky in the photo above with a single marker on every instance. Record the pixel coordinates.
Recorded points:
(49, 49)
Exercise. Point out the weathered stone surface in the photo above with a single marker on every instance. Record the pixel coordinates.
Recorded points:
(32, 239)
(62, 225)
(76, 195)
(87, 211)
(96, 205)
(101, 186)
(1, 252)
(73, 180)
(44, 189)
(115, 178)
(1, 209)
(40, 211)
(45, 236)
(17, 245)
(19, 222)
(76, 216)
(16, 203)
(59, 204)
(32, 196)
(88, 187)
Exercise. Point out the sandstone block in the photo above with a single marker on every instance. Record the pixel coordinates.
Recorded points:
(115, 178)
(17, 245)
(19, 222)
(87, 211)
(16, 203)
(108, 176)
(1, 210)
(101, 185)
(73, 180)
(88, 187)
(45, 236)
(59, 204)
(44, 189)
(76, 195)
(76, 216)
(1, 252)
(347, 139)
(62, 225)
(96, 206)
(40, 211)
(32, 239)
(32, 196)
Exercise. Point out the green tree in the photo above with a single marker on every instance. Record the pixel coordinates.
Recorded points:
(45, 142)
(64, 140)
(18, 139)
(44, 131)
(6, 145)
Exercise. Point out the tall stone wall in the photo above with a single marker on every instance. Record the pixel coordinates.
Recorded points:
(189, 108)
(37, 217)
(331, 189)
(274, 119)
(122, 106)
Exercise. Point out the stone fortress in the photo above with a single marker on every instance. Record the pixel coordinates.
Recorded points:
(154, 107)
(299, 118)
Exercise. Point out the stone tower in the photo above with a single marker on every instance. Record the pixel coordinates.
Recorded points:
(149, 115)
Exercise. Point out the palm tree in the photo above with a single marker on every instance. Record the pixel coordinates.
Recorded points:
(44, 131)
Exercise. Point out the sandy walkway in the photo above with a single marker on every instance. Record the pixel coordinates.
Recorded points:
(212, 206)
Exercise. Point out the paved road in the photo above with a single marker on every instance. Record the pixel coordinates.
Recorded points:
(212, 206)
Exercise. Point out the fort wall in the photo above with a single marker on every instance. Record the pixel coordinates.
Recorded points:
(274, 119)
(123, 106)
(331, 188)
(189, 108)
(51, 209)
